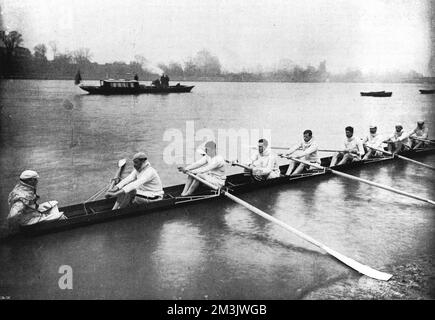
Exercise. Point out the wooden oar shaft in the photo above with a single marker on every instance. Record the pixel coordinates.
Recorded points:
(121, 165)
(348, 176)
(238, 165)
(404, 158)
(280, 148)
(328, 150)
(117, 175)
(346, 260)
(321, 150)
(98, 193)
(410, 195)
(421, 139)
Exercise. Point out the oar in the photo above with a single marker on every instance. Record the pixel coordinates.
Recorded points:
(121, 164)
(403, 158)
(361, 268)
(424, 140)
(321, 150)
(98, 193)
(238, 165)
(315, 165)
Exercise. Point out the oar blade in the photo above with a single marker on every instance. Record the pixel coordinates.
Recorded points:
(122, 162)
(361, 268)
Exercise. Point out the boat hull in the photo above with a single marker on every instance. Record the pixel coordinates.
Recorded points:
(432, 91)
(99, 211)
(136, 90)
(376, 94)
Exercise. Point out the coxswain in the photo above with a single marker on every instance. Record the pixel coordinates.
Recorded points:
(420, 132)
(399, 141)
(23, 206)
(371, 142)
(264, 164)
(141, 186)
(306, 149)
(353, 149)
(211, 167)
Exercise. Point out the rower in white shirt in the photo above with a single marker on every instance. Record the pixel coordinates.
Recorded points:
(306, 149)
(353, 149)
(264, 165)
(399, 141)
(141, 186)
(211, 167)
(372, 140)
(420, 132)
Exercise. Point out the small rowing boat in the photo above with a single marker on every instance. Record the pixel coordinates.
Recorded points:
(108, 87)
(101, 210)
(430, 91)
(376, 94)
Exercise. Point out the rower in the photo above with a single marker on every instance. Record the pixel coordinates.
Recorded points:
(353, 149)
(420, 132)
(23, 206)
(264, 165)
(211, 167)
(399, 140)
(370, 142)
(141, 186)
(309, 152)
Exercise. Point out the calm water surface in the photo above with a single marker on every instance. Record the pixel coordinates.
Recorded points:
(217, 250)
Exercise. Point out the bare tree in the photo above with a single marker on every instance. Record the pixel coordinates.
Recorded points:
(11, 40)
(40, 52)
(81, 56)
(141, 60)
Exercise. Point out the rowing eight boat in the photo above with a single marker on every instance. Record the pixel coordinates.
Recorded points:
(98, 211)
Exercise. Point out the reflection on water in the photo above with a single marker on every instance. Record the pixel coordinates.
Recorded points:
(215, 250)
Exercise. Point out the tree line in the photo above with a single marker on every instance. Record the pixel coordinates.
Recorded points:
(17, 61)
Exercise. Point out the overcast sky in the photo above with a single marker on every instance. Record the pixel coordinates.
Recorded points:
(373, 35)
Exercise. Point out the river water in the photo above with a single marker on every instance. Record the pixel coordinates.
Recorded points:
(217, 250)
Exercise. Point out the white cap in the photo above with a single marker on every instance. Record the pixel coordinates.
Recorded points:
(140, 155)
(420, 121)
(373, 127)
(29, 174)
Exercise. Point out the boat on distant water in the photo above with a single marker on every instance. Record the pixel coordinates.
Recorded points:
(377, 94)
(121, 86)
(427, 91)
